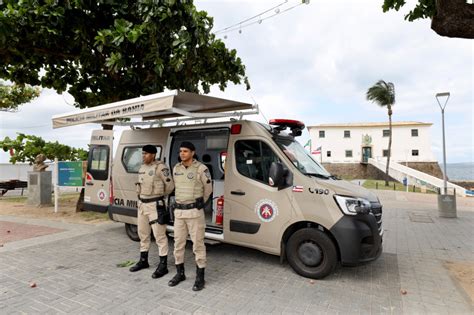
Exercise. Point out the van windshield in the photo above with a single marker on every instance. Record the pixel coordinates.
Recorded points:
(303, 161)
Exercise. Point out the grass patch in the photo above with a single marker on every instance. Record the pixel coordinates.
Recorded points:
(14, 199)
(93, 216)
(380, 184)
(70, 197)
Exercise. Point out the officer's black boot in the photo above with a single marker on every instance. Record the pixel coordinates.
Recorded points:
(162, 268)
(178, 277)
(199, 283)
(142, 263)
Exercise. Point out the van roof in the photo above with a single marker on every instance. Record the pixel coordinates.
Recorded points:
(163, 105)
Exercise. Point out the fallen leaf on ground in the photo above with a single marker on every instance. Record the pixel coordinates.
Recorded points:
(403, 292)
(126, 263)
(311, 281)
(8, 231)
(33, 284)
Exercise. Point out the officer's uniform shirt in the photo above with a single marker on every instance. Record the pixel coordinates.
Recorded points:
(191, 182)
(154, 180)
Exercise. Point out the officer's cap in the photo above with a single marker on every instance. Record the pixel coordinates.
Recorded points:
(149, 149)
(188, 145)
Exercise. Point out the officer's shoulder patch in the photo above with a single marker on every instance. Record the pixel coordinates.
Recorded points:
(166, 172)
(207, 173)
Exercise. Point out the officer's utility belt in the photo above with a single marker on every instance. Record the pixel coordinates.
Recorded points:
(199, 204)
(151, 199)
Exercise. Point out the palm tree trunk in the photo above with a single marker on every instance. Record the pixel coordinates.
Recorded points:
(389, 145)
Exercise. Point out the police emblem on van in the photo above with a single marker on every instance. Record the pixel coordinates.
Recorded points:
(101, 195)
(266, 210)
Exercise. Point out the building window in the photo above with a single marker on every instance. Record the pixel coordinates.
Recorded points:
(322, 134)
(347, 133)
(385, 153)
(348, 153)
(414, 132)
(386, 133)
(328, 153)
(414, 152)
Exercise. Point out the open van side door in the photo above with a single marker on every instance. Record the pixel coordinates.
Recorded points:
(99, 170)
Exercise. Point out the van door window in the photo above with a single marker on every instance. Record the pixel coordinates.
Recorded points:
(132, 158)
(98, 162)
(254, 158)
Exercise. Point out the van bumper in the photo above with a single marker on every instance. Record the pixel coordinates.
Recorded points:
(359, 237)
(95, 207)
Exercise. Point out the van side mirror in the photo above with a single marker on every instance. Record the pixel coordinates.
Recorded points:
(278, 175)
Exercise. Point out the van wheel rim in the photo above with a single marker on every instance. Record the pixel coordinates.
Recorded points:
(310, 254)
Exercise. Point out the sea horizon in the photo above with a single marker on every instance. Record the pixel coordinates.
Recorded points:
(459, 171)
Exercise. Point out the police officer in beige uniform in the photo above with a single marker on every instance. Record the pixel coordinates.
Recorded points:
(193, 188)
(154, 181)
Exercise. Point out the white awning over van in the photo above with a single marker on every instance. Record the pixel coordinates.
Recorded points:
(152, 107)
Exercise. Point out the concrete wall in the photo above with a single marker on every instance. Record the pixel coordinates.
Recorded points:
(466, 184)
(15, 171)
(354, 171)
(402, 142)
(363, 171)
(431, 168)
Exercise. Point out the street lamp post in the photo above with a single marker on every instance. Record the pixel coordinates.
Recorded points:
(438, 96)
(446, 202)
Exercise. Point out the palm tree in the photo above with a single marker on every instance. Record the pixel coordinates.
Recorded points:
(383, 93)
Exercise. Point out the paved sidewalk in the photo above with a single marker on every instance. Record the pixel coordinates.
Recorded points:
(75, 272)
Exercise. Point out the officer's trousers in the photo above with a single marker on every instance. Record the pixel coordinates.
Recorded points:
(146, 213)
(195, 227)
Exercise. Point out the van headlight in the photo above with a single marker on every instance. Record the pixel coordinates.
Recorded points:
(353, 206)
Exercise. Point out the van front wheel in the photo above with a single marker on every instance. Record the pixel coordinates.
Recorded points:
(311, 253)
(132, 232)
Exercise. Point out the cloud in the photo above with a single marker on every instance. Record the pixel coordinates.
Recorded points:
(315, 63)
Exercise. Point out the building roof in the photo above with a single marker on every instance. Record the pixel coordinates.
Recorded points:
(371, 124)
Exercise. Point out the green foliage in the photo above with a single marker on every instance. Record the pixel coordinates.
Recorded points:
(27, 147)
(423, 9)
(11, 96)
(382, 93)
(108, 50)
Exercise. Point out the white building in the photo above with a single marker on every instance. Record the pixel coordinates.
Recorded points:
(356, 142)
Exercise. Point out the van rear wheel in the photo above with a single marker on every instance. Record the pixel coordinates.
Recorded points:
(311, 253)
(132, 232)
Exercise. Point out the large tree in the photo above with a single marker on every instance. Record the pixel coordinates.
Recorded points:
(25, 148)
(107, 50)
(451, 18)
(12, 96)
(383, 94)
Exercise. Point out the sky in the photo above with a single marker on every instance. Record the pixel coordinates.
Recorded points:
(314, 63)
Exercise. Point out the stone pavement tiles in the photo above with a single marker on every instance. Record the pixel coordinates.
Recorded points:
(79, 275)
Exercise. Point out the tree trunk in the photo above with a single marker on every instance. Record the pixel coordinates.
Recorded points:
(80, 201)
(387, 177)
(454, 18)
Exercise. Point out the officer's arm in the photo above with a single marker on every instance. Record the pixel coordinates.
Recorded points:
(138, 186)
(206, 180)
(165, 175)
